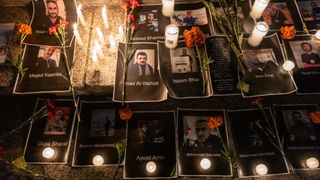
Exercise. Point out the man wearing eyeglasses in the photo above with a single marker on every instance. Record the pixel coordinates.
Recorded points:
(204, 136)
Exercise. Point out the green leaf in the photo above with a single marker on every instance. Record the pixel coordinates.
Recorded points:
(243, 86)
(20, 163)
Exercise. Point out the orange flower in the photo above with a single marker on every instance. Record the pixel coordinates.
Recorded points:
(194, 36)
(125, 114)
(215, 121)
(315, 117)
(23, 29)
(288, 32)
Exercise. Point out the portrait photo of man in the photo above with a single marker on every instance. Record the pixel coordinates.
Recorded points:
(183, 60)
(141, 68)
(201, 135)
(188, 18)
(48, 58)
(57, 123)
(306, 53)
(6, 30)
(310, 10)
(149, 21)
(277, 15)
(299, 127)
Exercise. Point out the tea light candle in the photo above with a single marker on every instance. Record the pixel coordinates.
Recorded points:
(97, 160)
(113, 47)
(257, 34)
(100, 35)
(48, 153)
(258, 8)
(167, 7)
(76, 34)
(205, 163)
(171, 36)
(82, 21)
(317, 35)
(105, 17)
(261, 169)
(288, 65)
(151, 167)
(312, 163)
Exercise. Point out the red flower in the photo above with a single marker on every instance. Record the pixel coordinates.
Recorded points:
(125, 114)
(125, 5)
(131, 18)
(135, 3)
(257, 101)
(52, 30)
(189, 130)
(133, 27)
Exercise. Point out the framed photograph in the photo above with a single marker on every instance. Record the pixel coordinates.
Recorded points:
(310, 13)
(198, 142)
(277, 14)
(301, 136)
(49, 138)
(48, 57)
(148, 20)
(303, 50)
(252, 145)
(189, 17)
(265, 75)
(6, 30)
(143, 82)
(149, 136)
(97, 132)
(48, 13)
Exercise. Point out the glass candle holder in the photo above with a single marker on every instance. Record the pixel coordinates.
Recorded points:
(171, 36)
(167, 7)
(258, 8)
(258, 33)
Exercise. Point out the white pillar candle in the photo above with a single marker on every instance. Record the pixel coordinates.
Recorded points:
(113, 47)
(105, 17)
(312, 163)
(167, 7)
(257, 34)
(258, 8)
(171, 36)
(261, 169)
(48, 152)
(76, 34)
(151, 167)
(98, 49)
(97, 160)
(317, 35)
(80, 16)
(100, 35)
(288, 65)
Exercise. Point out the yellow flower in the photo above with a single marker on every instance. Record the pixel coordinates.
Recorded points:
(23, 29)
(288, 32)
(215, 121)
(315, 117)
(194, 36)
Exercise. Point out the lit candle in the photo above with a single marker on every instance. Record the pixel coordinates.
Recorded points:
(48, 152)
(288, 65)
(97, 160)
(317, 35)
(151, 167)
(83, 22)
(76, 34)
(98, 49)
(205, 163)
(261, 169)
(167, 7)
(312, 163)
(172, 34)
(113, 47)
(105, 17)
(100, 35)
(94, 56)
(257, 34)
(258, 8)
(120, 33)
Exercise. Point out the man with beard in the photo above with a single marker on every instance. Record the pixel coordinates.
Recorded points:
(204, 137)
(51, 18)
